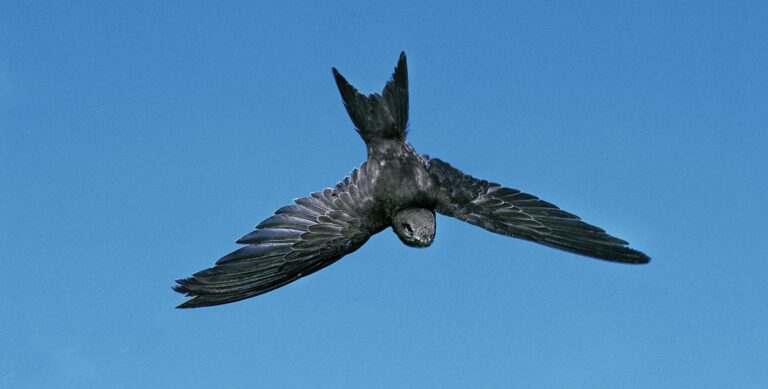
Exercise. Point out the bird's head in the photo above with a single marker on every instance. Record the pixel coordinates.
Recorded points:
(415, 226)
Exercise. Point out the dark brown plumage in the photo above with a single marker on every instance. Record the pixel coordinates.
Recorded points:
(395, 187)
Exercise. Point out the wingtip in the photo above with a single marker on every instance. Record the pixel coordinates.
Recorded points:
(194, 302)
(636, 258)
(640, 257)
(186, 305)
(180, 288)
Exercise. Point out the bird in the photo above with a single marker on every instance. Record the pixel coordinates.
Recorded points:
(395, 187)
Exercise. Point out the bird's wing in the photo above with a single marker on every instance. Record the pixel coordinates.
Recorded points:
(297, 240)
(514, 213)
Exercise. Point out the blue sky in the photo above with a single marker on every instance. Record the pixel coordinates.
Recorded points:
(139, 140)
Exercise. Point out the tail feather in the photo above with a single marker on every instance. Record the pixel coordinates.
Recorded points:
(354, 101)
(395, 93)
(378, 116)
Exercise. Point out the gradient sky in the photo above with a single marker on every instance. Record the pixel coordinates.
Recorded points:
(140, 139)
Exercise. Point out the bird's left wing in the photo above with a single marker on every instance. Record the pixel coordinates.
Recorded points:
(514, 213)
(297, 240)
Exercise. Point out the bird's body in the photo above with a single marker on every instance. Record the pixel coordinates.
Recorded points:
(399, 167)
(395, 187)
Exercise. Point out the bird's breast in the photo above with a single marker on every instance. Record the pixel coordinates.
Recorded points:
(402, 183)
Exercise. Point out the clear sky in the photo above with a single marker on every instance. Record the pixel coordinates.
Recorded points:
(138, 140)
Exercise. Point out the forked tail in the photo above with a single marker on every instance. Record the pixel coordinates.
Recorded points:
(379, 116)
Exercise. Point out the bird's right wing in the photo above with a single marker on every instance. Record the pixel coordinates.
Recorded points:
(511, 212)
(297, 240)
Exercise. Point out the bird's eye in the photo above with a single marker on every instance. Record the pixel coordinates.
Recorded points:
(408, 228)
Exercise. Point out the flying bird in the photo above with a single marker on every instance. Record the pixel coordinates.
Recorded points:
(396, 187)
